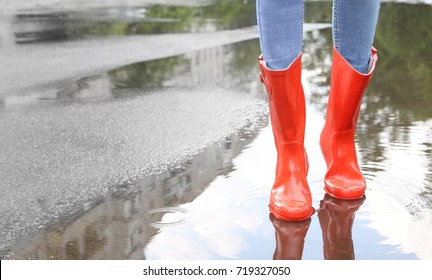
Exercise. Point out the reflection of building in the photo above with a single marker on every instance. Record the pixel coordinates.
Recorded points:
(209, 65)
(93, 87)
(120, 226)
(214, 67)
(97, 87)
(204, 67)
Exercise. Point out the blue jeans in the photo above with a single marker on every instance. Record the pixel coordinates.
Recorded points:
(280, 24)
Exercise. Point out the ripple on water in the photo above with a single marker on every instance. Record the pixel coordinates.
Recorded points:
(167, 216)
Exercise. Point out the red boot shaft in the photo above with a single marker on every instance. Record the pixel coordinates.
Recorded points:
(290, 198)
(343, 178)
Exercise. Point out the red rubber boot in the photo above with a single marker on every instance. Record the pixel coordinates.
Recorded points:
(290, 197)
(344, 179)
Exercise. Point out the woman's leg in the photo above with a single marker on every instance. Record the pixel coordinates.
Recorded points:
(280, 24)
(354, 24)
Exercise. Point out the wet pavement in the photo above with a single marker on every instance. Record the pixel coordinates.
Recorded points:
(167, 153)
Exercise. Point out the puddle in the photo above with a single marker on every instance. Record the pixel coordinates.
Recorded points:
(233, 71)
(119, 226)
(214, 206)
(107, 118)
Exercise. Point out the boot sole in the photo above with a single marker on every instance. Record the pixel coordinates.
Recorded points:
(281, 215)
(327, 190)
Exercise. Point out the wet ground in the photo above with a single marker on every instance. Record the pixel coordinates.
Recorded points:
(166, 152)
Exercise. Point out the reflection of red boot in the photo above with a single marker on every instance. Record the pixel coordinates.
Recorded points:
(336, 218)
(290, 198)
(290, 238)
(343, 178)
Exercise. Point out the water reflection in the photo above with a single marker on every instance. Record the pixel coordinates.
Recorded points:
(24, 26)
(148, 75)
(336, 218)
(407, 60)
(225, 67)
(290, 238)
(120, 226)
(400, 91)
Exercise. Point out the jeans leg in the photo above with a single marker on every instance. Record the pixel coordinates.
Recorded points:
(354, 24)
(280, 24)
